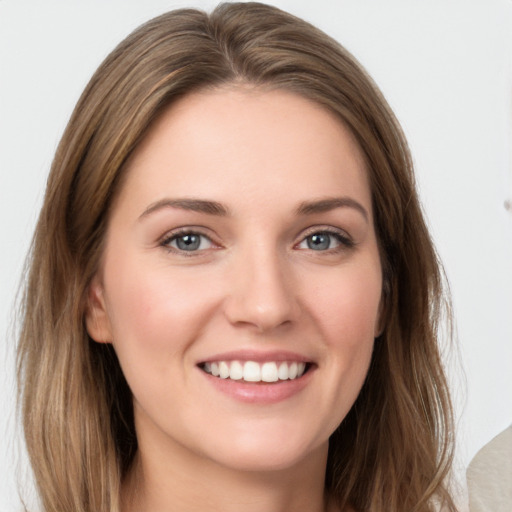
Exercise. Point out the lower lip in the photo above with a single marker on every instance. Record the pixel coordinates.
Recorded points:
(259, 392)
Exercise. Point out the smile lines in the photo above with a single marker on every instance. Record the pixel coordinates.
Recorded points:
(251, 371)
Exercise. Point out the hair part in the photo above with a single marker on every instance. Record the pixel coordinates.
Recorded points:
(393, 450)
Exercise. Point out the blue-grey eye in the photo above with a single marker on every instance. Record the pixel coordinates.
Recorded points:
(319, 241)
(323, 241)
(189, 242)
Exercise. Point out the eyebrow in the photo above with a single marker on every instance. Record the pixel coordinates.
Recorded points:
(218, 209)
(328, 204)
(194, 205)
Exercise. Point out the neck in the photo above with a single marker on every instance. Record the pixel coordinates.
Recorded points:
(188, 482)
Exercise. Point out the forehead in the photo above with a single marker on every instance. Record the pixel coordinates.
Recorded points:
(241, 143)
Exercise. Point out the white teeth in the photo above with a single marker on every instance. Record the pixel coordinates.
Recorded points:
(282, 373)
(236, 371)
(251, 371)
(223, 370)
(269, 372)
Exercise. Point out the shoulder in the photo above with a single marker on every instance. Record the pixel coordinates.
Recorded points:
(488, 475)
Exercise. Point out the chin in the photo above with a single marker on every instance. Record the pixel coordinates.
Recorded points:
(266, 453)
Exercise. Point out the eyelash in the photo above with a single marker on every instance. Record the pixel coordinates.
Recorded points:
(180, 233)
(345, 242)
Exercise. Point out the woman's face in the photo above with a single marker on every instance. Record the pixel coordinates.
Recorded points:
(241, 243)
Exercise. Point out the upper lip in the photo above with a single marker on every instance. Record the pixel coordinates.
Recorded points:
(257, 356)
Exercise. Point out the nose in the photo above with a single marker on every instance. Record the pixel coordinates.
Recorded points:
(262, 292)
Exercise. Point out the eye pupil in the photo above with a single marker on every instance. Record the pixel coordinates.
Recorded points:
(319, 241)
(188, 242)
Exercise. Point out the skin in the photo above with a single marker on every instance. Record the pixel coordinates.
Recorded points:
(255, 283)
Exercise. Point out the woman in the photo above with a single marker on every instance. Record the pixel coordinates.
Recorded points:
(233, 298)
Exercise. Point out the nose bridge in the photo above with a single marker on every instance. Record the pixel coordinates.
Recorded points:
(262, 292)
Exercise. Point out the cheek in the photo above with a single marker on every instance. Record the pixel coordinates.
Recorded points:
(155, 313)
(347, 305)
(346, 310)
(156, 316)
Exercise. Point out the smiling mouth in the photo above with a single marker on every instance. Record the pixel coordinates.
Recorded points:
(252, 371)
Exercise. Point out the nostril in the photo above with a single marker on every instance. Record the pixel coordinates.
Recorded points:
(261, 295)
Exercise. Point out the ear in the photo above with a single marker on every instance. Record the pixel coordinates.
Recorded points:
(97, 321)
(380, 324)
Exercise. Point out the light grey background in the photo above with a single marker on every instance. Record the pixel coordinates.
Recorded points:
(445, 66)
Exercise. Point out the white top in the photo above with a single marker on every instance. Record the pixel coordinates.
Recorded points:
(489, 476)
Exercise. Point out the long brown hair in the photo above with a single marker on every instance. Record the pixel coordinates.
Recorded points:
(393, 450)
